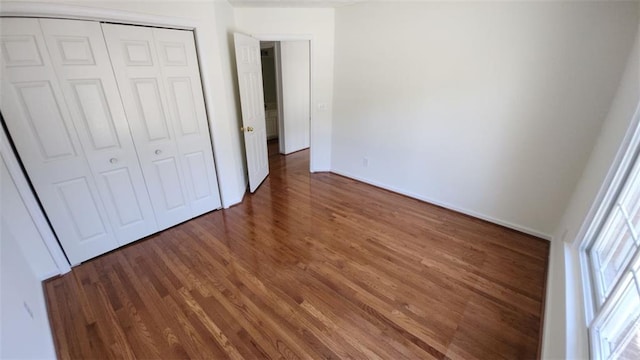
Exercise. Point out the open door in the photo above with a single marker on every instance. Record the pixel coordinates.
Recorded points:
(252, 104)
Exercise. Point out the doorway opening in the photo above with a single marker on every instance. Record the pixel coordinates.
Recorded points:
(286, 77)
(292, 112)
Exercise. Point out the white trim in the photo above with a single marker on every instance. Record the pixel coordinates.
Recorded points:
(73, 12)
(207, 92)
(606, 312)
(623, 158)
(474, 214)
(277, 62)
(628, 153)
(272, 37)
(587, 286)
(33, 207)
(600, 208)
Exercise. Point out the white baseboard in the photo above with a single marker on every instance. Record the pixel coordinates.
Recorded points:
(490, 219)
(235, 201)
(320, 170)
(49, 275)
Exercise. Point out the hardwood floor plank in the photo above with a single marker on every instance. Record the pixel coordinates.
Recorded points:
(60, 339)
(310, 266)
(109, 325)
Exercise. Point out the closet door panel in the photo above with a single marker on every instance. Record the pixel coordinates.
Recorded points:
(80, 58)
(181, 74)
(80, 203)
(124, 197)
(152, 115)
(137, 70)
(170, 186)
(44, 118)
(40, 125)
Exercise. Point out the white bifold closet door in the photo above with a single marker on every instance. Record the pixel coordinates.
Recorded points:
(40, 123)
(159, 80)
(80, 59)
(115, 142)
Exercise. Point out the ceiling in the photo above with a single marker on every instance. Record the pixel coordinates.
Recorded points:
(293, 3)
(316, 3)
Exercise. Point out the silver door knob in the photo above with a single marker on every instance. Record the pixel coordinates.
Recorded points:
(113, 160)
(158, 152)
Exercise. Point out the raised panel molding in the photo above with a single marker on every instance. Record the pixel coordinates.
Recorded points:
(82, 208)
(45, 119)
(174, 54)
(255, 52)
(167, 172)
(95, 113)
(245, 57)
(20, 50)
(199, 177)
(250, 90)
(121, 193)
(137, 53)
(150, 108)
(75, 50)
(261, 137)
(182, 95)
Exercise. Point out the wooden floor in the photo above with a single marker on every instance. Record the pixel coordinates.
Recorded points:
(310, 266)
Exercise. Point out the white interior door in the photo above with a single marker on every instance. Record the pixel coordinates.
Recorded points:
(252, 103)
(159, 83)
(80, 58)
(40, 124)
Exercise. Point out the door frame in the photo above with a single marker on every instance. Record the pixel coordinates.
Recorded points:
(281, 37)
(277, 64)
(75, 12)
(33, 206)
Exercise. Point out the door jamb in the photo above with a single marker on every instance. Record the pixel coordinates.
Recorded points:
(278, 70)
(31, 203)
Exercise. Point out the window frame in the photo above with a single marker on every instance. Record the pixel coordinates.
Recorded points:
(620, 172)
(609, 305)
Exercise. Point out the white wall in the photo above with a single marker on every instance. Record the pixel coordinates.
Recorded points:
(565, 306)
(24, 263)
(22, 226)
(227, 91)
(294, 62)
(24, 330)
(488, 108)
(319, 24)
(214, 20)
(554, 334)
